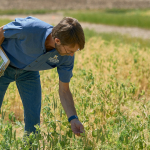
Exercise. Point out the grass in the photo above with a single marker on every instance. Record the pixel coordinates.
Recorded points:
(117, 38)
(111, 93)
(118, 17)
(4, 21)
(25, 12)
(128, 18)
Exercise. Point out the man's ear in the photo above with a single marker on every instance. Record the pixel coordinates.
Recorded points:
(57, 41)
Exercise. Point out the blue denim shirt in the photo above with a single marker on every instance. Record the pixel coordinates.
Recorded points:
(24, 45)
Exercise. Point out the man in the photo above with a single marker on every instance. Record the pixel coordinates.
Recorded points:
(33, 45)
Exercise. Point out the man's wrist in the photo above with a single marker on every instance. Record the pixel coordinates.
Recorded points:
(72, 117)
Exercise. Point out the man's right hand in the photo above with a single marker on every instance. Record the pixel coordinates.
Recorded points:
(77, 127)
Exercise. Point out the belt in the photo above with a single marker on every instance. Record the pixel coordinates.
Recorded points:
(13, 67)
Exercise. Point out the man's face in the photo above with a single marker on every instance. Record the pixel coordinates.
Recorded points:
(66, 50)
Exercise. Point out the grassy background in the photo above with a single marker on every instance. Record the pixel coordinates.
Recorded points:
(111, 97)
(119, 17)
(25, 12)
(117, 38)
(4, 21)
(128, 18)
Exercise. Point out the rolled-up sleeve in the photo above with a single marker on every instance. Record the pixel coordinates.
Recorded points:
(13, 29)
(65, 70)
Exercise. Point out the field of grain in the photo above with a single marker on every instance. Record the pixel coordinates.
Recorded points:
(111, 97)
(111, 91)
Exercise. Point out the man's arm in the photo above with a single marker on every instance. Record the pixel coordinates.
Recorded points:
(66, 99)
(1, 35)
(68, 105)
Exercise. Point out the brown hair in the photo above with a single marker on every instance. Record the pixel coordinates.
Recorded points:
(70, 32)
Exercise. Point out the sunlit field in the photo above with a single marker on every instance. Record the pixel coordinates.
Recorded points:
(4, 21)
(116, 17)
(111, 91)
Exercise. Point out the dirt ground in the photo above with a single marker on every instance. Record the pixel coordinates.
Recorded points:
(56, 17)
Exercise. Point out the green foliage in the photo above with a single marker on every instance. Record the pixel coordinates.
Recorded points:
(24, 11)
(130, 18)
(117, 38)
(4, 21)
(119, 17)
(111, 93)
(110, 97)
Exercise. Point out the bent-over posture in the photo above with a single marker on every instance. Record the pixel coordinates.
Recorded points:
(33, 45)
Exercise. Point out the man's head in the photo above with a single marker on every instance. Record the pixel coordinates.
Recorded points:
(68, 36)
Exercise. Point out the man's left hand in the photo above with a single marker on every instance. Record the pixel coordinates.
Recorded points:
(77, 127)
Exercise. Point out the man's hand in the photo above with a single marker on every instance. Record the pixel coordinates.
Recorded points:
(68, 105)
(77, 127)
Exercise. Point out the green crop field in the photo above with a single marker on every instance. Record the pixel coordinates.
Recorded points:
(111, 92)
